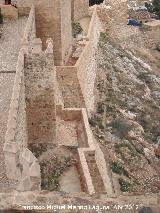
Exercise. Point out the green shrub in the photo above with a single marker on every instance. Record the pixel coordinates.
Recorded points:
(117, 168)
(120, 127)
(121, 145)
(103, 37)
(124, 185)
(76, 29)
(95, 121)
(100, 107)
(143, 76)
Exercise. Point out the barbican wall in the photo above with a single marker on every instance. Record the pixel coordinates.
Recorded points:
(38, 97)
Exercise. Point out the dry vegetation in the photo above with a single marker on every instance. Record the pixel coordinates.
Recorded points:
(127, 117)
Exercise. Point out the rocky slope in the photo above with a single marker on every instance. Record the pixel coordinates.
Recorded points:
(127, 117)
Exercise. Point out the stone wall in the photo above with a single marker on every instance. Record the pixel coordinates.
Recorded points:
(53, 20)
(79, 9)
(91, 147)
(86, 64)
(16, 138)
(77, 82)
(69, 86)
(99, 159)
(40, 99)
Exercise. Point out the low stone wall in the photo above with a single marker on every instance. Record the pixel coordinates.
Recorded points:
(80, 114)
(9, 12)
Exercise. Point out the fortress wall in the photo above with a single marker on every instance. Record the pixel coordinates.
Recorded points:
(79, 9)
(40, 94)
(53, 20)
(69, 86)
(86, 64)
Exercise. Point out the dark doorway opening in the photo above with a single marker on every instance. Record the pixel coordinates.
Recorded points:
(7, 2)
(92, 2)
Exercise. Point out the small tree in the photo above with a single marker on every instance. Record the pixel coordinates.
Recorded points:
(154, 7)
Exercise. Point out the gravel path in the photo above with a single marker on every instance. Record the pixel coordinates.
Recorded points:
(10, 43)
(6, 85)
(9, 49)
